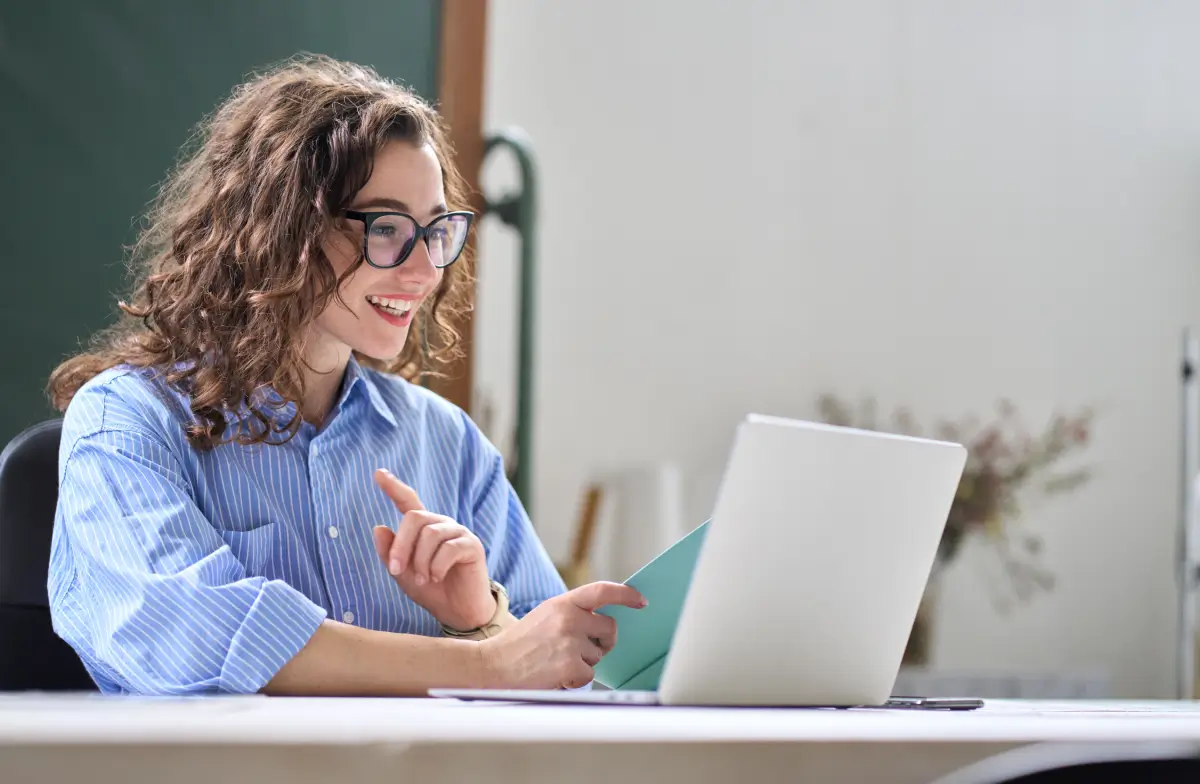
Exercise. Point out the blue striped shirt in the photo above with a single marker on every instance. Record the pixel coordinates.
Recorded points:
(176, 571)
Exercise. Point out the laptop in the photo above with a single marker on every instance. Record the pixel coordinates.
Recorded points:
(808, 579)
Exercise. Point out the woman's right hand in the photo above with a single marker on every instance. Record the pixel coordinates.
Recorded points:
(557, 645)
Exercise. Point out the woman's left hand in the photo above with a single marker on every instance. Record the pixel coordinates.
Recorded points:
(436, 561)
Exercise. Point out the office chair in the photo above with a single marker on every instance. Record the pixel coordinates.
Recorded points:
(1147, 762)
(32, 656)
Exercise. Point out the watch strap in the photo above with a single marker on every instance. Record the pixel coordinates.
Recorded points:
(499, 620)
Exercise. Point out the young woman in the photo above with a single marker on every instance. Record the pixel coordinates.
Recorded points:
(253, 497)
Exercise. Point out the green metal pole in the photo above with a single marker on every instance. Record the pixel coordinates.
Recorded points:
(519, 210)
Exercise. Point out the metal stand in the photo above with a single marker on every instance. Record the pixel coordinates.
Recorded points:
(519, 211)
(1188, 552)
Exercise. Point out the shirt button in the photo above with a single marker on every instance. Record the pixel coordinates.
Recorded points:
(333, 532)
(348, 617)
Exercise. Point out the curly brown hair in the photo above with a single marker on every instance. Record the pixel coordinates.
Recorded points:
(229, 269)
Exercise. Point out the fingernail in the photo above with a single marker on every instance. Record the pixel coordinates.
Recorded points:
(419, 579)
(394, 567)
(385, 471)
(643, 603)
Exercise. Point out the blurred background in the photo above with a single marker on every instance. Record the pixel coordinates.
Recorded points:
(974, 219)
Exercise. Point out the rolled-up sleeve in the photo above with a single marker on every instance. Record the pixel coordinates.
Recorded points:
(148, 592)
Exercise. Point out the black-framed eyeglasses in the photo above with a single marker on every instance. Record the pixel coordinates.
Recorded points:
(389, 237)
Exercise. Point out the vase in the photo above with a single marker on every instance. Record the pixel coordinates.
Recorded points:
(919, 650)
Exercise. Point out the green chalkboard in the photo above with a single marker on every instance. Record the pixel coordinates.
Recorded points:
(96, 99)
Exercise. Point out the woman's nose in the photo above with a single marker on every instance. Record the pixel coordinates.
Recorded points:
(419, 262)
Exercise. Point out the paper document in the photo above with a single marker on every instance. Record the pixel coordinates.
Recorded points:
(644, 636)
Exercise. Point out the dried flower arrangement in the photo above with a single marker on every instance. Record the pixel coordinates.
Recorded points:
(1005, 461)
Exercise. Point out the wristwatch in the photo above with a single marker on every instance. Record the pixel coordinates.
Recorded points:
(493, 626)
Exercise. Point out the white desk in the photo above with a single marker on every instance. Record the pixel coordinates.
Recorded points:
(96, 740)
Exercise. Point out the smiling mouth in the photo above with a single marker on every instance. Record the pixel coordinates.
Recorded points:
(393, 307)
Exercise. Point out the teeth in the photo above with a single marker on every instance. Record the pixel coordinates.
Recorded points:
(398, 306)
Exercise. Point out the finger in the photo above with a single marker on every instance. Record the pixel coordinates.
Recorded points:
(601, 630)
(452, 552)
(593, 596)
(579, 676)
(383, 541)
(591, 653)
(432, 536)
(403, 496)
(407, 534)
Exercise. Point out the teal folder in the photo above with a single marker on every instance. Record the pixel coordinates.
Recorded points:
(644, 636)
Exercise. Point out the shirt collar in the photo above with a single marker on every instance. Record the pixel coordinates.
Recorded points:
(357, 381)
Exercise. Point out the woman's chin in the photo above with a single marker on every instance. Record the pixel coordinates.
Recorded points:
(381, 350)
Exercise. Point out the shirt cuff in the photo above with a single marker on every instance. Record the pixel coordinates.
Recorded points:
(279, 624)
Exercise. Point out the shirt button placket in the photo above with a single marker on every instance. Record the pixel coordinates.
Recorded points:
(331, 555)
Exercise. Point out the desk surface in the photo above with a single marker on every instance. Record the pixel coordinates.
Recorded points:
(62, 735)
(240, 720)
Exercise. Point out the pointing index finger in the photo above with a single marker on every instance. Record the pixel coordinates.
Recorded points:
(403, 496)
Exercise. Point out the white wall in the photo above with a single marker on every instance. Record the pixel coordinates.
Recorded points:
(938, 203)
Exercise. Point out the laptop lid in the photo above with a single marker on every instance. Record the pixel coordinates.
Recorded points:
(814, 564)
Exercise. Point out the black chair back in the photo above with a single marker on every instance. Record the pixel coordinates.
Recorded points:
(1092, 762)
(32, 656)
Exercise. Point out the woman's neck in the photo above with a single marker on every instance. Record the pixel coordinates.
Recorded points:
(322, 380)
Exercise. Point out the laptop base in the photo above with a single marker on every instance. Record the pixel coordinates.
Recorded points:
(630, 697)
